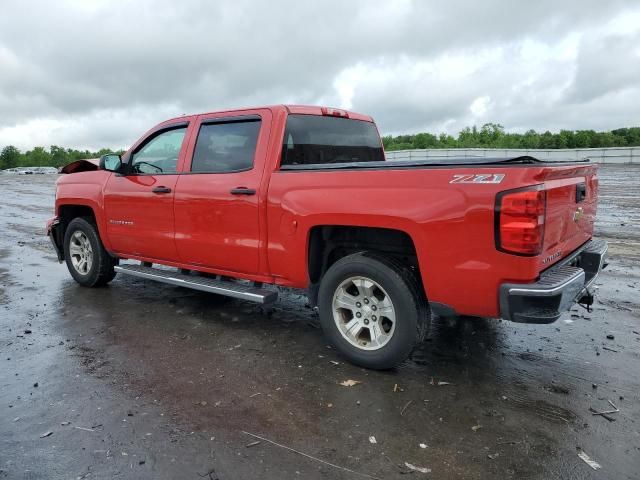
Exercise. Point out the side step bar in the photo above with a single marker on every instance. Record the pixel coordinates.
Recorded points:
(230, 289)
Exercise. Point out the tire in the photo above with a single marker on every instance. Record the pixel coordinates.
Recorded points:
(378, 280)
(87, 260)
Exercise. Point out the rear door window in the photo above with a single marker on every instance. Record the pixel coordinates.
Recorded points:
(318, 140)
(226, 146)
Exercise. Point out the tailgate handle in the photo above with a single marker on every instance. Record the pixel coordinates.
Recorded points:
(581, 192)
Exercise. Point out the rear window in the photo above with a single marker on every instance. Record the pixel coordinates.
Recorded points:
(316, 140)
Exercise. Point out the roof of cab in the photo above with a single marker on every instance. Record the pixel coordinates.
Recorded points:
(290, 109)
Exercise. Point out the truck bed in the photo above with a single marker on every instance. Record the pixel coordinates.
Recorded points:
(450, 217)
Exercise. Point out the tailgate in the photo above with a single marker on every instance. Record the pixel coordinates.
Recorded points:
(572, 193)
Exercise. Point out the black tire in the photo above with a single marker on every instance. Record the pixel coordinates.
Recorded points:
(101, 270)
(412, 315)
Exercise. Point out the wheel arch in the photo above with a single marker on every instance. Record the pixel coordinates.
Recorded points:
(66, 212)
(328, 243)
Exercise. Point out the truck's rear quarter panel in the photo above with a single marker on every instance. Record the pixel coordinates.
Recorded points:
(451, 225)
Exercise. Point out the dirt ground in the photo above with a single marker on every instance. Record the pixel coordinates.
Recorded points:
(148, 381)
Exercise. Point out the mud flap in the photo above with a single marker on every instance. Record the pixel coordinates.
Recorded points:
(54, 232)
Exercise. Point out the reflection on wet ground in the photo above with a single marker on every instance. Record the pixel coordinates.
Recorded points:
(141, 380)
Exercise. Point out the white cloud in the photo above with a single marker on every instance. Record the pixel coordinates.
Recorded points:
(479, 106)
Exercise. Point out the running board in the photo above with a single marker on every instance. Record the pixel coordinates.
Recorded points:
(228, 288)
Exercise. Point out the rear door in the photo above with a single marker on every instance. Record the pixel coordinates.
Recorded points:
(217, 200)
(139, 203)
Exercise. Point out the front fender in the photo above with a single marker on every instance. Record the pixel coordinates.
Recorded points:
(85, 189)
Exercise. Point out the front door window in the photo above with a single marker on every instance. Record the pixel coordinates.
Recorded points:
(160, 154)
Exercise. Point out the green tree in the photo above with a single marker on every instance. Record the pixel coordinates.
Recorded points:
(425, 140)
(547, 140)
(560, 140)
(9, 157)
(446, 141)
(531, 139)
(492, 135)
(38, 157)
(582, 139)
(59, 156)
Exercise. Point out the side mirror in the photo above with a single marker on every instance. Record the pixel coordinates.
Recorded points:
(110, 162)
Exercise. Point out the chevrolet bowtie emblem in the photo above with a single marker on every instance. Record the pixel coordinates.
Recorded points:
(578, 214)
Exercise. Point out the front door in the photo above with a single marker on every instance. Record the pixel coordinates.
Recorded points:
(217, 198)
(139, 202)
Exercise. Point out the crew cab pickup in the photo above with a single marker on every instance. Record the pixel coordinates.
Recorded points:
(234, 202)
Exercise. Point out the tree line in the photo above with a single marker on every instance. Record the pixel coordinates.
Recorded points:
(54, 156)
(492, 135)
(489, 135)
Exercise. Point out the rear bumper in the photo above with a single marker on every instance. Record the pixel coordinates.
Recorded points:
(54, 232)
(558, 288)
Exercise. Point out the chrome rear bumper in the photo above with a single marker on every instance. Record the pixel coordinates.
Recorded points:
(558, 288)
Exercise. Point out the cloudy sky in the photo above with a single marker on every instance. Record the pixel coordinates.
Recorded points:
(92, 74)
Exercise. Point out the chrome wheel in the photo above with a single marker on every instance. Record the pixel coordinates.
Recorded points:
(80, 252)
(364, 313)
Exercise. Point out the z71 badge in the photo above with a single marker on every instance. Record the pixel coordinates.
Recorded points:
(478, 178)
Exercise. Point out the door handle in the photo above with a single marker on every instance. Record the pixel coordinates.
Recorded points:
(243, 191)
(161, 189)
(581, 192)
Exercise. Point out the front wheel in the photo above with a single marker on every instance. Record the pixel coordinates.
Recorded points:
(372, 310)
(87, 260)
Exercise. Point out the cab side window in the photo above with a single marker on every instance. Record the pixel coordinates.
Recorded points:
(160, 154)
(225, 147)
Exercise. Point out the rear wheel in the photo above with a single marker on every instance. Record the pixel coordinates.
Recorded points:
(372, 310)
(87, 260)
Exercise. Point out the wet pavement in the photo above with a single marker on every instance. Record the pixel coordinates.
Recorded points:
(147, 381)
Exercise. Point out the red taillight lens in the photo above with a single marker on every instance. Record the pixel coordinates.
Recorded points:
(520, 221)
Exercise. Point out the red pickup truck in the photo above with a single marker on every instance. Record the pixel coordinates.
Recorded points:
(302, 197)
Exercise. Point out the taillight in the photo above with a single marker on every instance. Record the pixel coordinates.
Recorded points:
(520, 216)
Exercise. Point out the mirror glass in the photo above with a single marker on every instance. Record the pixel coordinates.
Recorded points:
(111, 162)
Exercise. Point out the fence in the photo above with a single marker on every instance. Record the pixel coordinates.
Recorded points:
(597, 155)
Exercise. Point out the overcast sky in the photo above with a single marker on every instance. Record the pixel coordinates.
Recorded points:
(92, 74)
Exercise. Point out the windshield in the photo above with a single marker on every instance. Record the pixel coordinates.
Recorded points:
(316, 140)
